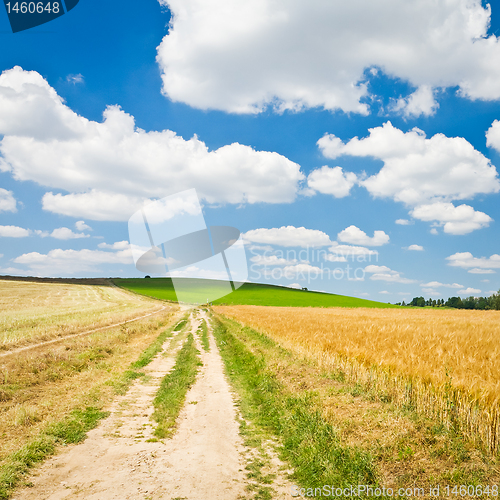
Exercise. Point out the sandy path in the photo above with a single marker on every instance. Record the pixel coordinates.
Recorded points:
(203, 461)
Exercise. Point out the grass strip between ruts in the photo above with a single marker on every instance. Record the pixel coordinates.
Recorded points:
(173, 388)
(122, 385)
(309, 443)
(204, 335)
(71, 429)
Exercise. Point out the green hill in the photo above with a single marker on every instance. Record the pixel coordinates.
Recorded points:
(248, 293)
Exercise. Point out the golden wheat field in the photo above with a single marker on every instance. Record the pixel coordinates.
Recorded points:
(33, 311)
(444, 361)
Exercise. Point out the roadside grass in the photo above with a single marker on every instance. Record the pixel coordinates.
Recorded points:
(73, 429)
(32, 312)
(57, 397)
(203, 332)
(248, 293)
(309, 443)
(399, 447)
(173, 389)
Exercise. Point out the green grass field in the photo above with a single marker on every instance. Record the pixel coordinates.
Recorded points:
(248, 294)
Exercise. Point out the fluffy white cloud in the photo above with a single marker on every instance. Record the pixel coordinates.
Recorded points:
(7, 201)
(418, 170)
(416, 248)
(14, 232)
(60, 262)
(356, 236)
(425, 174)
(404, 222)
(295, 285)
(332, 181)
(384, 273)
(493, 136)
(437, 284)
(118, 245)
(81, 226)
(241, 56)
(455, 220)
(421, 102)
(476, 270)
(111, 167)
(95, 205)
(466, 260)
(288, 236)
(469, 291)
(64, 233)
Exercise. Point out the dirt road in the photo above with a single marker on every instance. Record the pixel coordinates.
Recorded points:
(204, 460)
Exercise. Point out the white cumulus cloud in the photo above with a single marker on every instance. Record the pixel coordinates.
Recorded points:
(60, 262)
(14, 232)
(455, 220)
(118, 245)
(65, 233)
(466, 260)
(437, 284)
(81, 226)
(469, 291)
(7, 201)
(332, 181)
(384, 273)
(416, 248)
(493, 136)
(421, 102)
(418, 170)
(242, 57)
(109, 168)
(288, 236)
(426, 174)
(356, 236)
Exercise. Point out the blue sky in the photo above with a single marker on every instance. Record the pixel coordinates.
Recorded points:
(313, 126)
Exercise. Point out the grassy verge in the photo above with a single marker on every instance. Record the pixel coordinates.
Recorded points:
(309, 443)
(71, 430)
(330, 427)
(203, 331)
(173, 388)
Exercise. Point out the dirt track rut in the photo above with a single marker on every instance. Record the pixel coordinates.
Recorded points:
(203, 461)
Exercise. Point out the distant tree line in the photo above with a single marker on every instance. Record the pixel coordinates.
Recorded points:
(482, 303)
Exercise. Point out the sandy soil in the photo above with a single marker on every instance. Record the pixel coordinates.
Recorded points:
(205, 459)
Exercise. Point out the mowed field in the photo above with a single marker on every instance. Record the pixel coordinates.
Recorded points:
(32, 312)
(52, 393)
(248, 293)
(443, 361)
